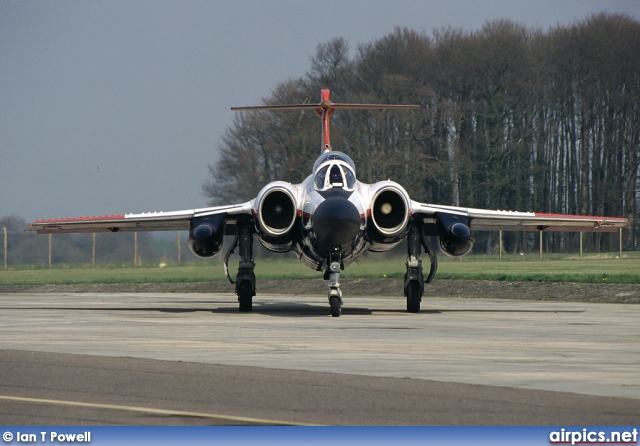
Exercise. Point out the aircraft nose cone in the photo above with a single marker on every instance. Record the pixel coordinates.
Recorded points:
(336, 221)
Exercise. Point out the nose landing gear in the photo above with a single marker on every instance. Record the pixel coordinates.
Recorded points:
(335, 294)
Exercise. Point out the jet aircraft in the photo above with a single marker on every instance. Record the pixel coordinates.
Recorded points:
(330, 219)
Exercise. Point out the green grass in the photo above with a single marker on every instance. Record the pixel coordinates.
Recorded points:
(600, 268)
(591, 270)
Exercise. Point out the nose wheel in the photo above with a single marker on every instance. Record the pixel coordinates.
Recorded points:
(335, 294)
(336, 306)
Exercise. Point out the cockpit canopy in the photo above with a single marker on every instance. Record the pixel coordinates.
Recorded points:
(334, 169)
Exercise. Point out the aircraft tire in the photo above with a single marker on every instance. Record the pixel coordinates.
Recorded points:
(336, 307)
(414, 297)
(245, 296)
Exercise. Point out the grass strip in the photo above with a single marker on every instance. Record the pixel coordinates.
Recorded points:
(590, 269)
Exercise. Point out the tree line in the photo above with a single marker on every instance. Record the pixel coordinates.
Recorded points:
(511, 118)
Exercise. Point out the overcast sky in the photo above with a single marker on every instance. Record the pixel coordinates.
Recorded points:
(118, 106)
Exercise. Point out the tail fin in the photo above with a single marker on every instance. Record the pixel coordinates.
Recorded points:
(325, 110)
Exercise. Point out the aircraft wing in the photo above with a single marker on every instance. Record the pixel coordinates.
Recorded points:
(488, 220)
(151, 221)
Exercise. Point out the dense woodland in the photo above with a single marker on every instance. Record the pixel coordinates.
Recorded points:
(511, 118)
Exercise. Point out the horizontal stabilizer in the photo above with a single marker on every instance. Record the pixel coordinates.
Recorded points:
(325, 109)
(331, 106)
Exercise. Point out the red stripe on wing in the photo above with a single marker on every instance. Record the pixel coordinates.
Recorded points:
(72, 219)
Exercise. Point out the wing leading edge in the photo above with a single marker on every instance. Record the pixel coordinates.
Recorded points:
(152, 221)
(488, 220)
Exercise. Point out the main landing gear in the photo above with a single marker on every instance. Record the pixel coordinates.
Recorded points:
(414, 279)
(245, 279)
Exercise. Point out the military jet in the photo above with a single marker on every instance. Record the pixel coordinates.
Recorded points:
(330, 219)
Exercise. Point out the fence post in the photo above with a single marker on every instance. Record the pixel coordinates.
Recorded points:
(540, 245)
(135, 249)
(500, 256)
(93, 249)
(178, 243)
(620, 242)
(50, 238)
(581, 244)
(4, 230)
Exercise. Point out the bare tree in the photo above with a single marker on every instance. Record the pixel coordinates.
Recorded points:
(511, 118)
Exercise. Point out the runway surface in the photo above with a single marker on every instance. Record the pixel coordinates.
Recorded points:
(194, 359)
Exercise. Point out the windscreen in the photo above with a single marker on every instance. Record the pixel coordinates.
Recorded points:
(335, 173)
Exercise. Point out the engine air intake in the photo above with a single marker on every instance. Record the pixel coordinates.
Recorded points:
(389, 211)
(277, 212)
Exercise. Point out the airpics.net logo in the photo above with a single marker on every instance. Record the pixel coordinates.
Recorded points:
(586, 436)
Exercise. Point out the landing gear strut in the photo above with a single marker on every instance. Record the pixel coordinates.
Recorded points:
(245, 279)
(414, 279)
(335, 294)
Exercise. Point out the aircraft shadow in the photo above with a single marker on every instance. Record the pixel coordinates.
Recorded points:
(293, 309)
(287, 309)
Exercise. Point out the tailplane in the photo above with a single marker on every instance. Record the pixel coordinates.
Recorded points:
(325, 110)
